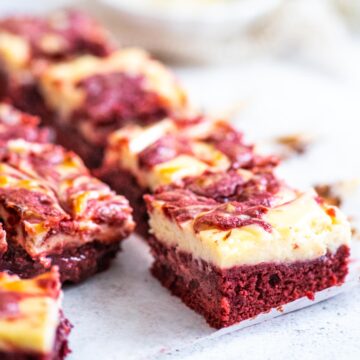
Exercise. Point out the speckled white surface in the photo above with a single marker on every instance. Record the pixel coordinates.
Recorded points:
(114, 316)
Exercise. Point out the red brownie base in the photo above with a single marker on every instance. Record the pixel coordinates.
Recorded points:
(75, 265)
(227, 296)
(60, 351)
(124, 183)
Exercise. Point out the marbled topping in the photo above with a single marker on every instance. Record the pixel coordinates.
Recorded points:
(231, 142)
(15, 124)
(114, 99)
(49, 201)
(101, 94)
(223, 137)
(59, 36)
(181, 204)
(164, 149)
(175, 148)
(219, 200)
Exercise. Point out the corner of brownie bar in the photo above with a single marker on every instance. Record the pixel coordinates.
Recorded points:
(53, 212)
(32, 324)
(233, 247)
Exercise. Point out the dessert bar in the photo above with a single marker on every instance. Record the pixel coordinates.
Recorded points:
(236, 244)
(55, 213)
(32, 325)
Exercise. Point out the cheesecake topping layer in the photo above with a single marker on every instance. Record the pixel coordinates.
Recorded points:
(231, 219)
(49, 201)
(29, 313)
(221, 200)
(173, 149)
(163, 150)
(64, 85)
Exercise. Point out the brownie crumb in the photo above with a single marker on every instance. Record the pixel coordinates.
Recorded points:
(294, 144)
(328, 193)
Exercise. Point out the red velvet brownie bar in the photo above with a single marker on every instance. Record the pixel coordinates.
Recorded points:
(236, 244)
(28, 42)
(55, 213)
(139, 159)
(94, 96)
(32, 326)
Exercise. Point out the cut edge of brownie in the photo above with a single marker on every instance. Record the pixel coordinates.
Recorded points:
(227, 296)
(75, 264)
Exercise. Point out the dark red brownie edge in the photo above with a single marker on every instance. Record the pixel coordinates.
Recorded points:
(227, 296)
(124, 183)
(60, 351)
(75, 264)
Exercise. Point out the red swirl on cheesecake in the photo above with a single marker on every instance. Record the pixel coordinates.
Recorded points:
(222, 200)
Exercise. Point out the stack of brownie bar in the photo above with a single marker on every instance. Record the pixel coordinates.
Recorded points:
(228, 237)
